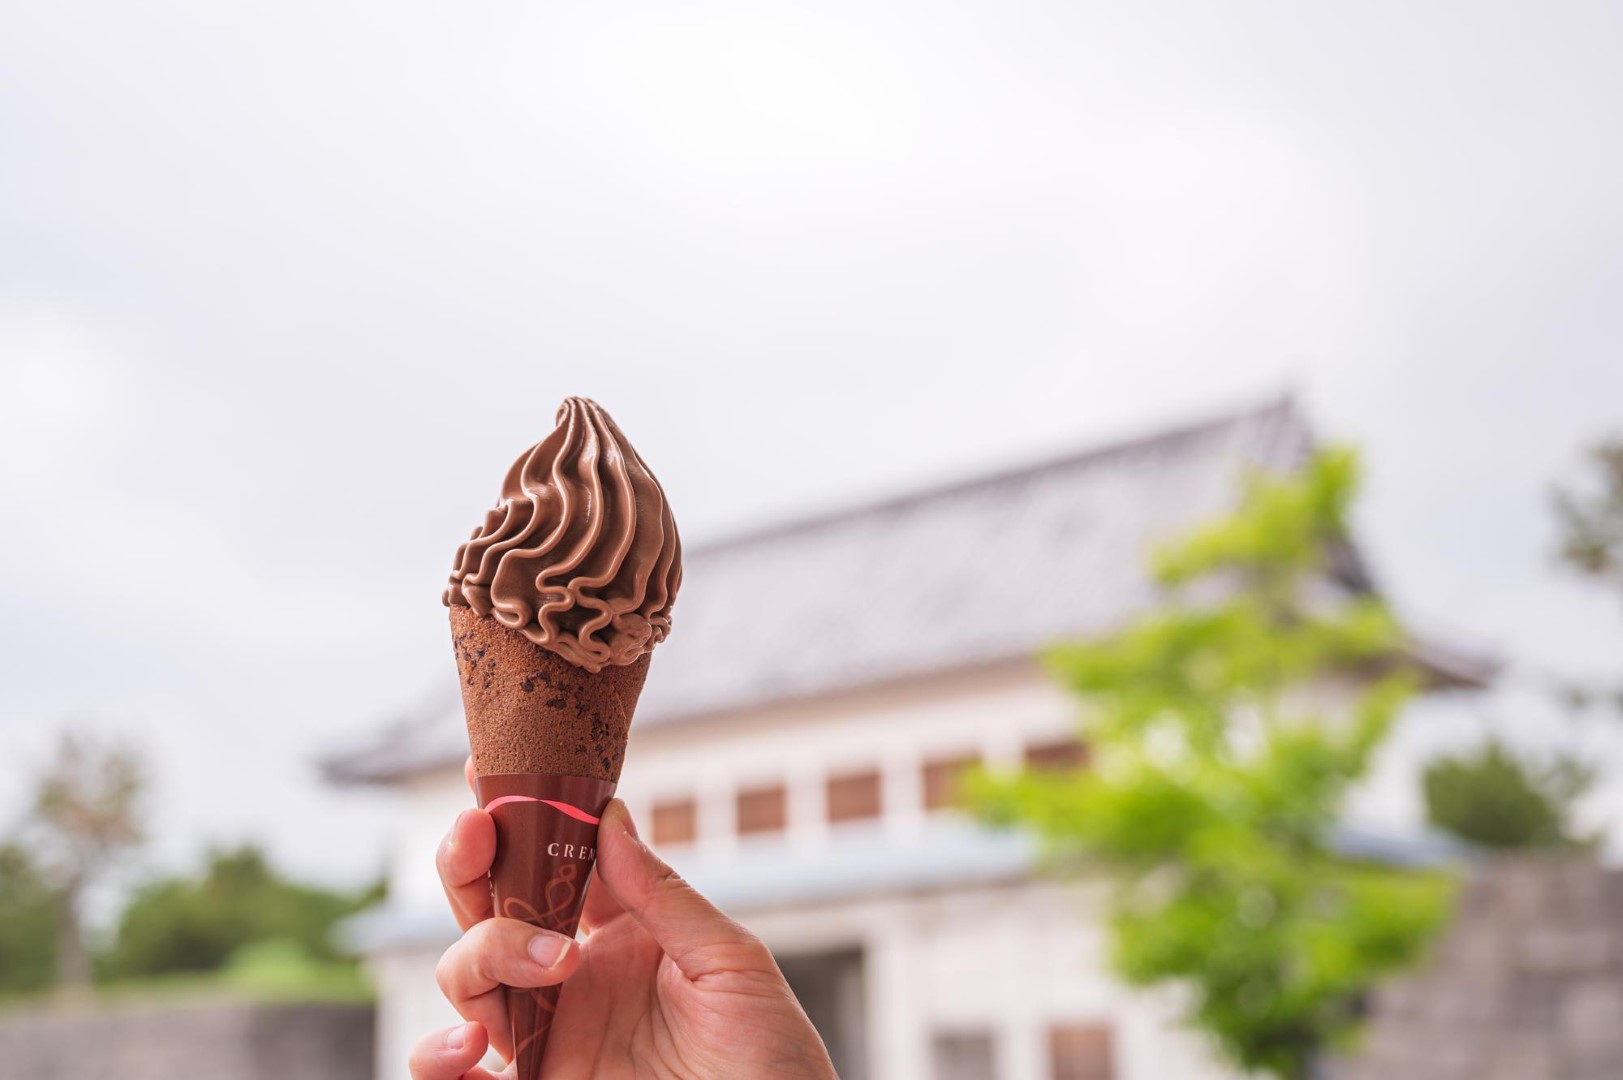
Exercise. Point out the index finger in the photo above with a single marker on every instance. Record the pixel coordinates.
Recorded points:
(463, 861)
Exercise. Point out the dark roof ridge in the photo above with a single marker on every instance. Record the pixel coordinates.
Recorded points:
(1279, 409)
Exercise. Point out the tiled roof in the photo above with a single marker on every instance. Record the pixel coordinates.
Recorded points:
(990, 568)
(987, 569)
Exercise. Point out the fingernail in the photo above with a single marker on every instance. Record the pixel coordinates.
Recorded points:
(548, 949)
(457, 1037)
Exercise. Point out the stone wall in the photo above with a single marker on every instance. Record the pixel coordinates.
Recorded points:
(235, 1041)
(1526, 985)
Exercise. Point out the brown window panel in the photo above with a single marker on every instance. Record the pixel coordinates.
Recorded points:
(964, 1056)
(676, 821)
(853, 796)
(943, 780)
(763, 810)
(1057, 754)
(1081, 1052)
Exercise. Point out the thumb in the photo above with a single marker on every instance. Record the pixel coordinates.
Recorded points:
(691, 930)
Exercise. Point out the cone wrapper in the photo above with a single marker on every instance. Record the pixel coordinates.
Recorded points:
(546, 844)
(548, 739)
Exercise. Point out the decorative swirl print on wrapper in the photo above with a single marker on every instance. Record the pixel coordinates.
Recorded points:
(581, 554)
(546, 845)
(532, 1014)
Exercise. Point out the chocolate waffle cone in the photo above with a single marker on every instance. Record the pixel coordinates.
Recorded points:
(531, 711)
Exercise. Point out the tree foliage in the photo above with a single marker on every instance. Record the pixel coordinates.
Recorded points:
(1495, 799)
(27, 923)
(1591, 520)
(239, 918)
(197, 924)
(86, 816)
(1217, 778)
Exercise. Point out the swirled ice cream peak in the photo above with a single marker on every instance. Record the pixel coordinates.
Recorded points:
(581, 554)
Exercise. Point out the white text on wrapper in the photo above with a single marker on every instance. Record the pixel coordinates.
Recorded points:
(560, 850)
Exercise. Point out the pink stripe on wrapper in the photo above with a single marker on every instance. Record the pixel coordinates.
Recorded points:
(562, 807)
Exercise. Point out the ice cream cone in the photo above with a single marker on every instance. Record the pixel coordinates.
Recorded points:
(556, 602)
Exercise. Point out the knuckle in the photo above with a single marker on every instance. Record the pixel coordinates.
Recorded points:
(421, 1062)
(451, 972)
(753, 948)
(746, 950)
(442, 856)
(482, 941)
(445, 971)
(667, 880)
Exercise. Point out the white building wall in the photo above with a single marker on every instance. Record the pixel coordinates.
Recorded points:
(994, 714)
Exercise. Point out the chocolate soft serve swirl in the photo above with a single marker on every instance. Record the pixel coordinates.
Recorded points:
(581, 554)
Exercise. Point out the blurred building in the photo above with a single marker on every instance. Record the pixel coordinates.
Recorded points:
(796, 750)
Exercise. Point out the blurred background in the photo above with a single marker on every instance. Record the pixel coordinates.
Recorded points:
(875, 288)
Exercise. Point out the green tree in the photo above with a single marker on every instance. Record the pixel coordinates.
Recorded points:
(1495, 799)
(86, 816)
(1591, 520)
(27, 923)
(1216, 779)
(197, 924)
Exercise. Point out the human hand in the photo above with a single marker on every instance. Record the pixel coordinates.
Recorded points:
(663, 985)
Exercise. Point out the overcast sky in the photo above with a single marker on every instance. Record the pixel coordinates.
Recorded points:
(285, 286)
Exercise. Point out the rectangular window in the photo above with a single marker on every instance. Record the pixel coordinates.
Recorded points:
(853, 796)
(1057, 754)
(763, 810)
(1081, 1052)
(831, 988)
(962, 1056)
(676, 821)
(943, 778)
